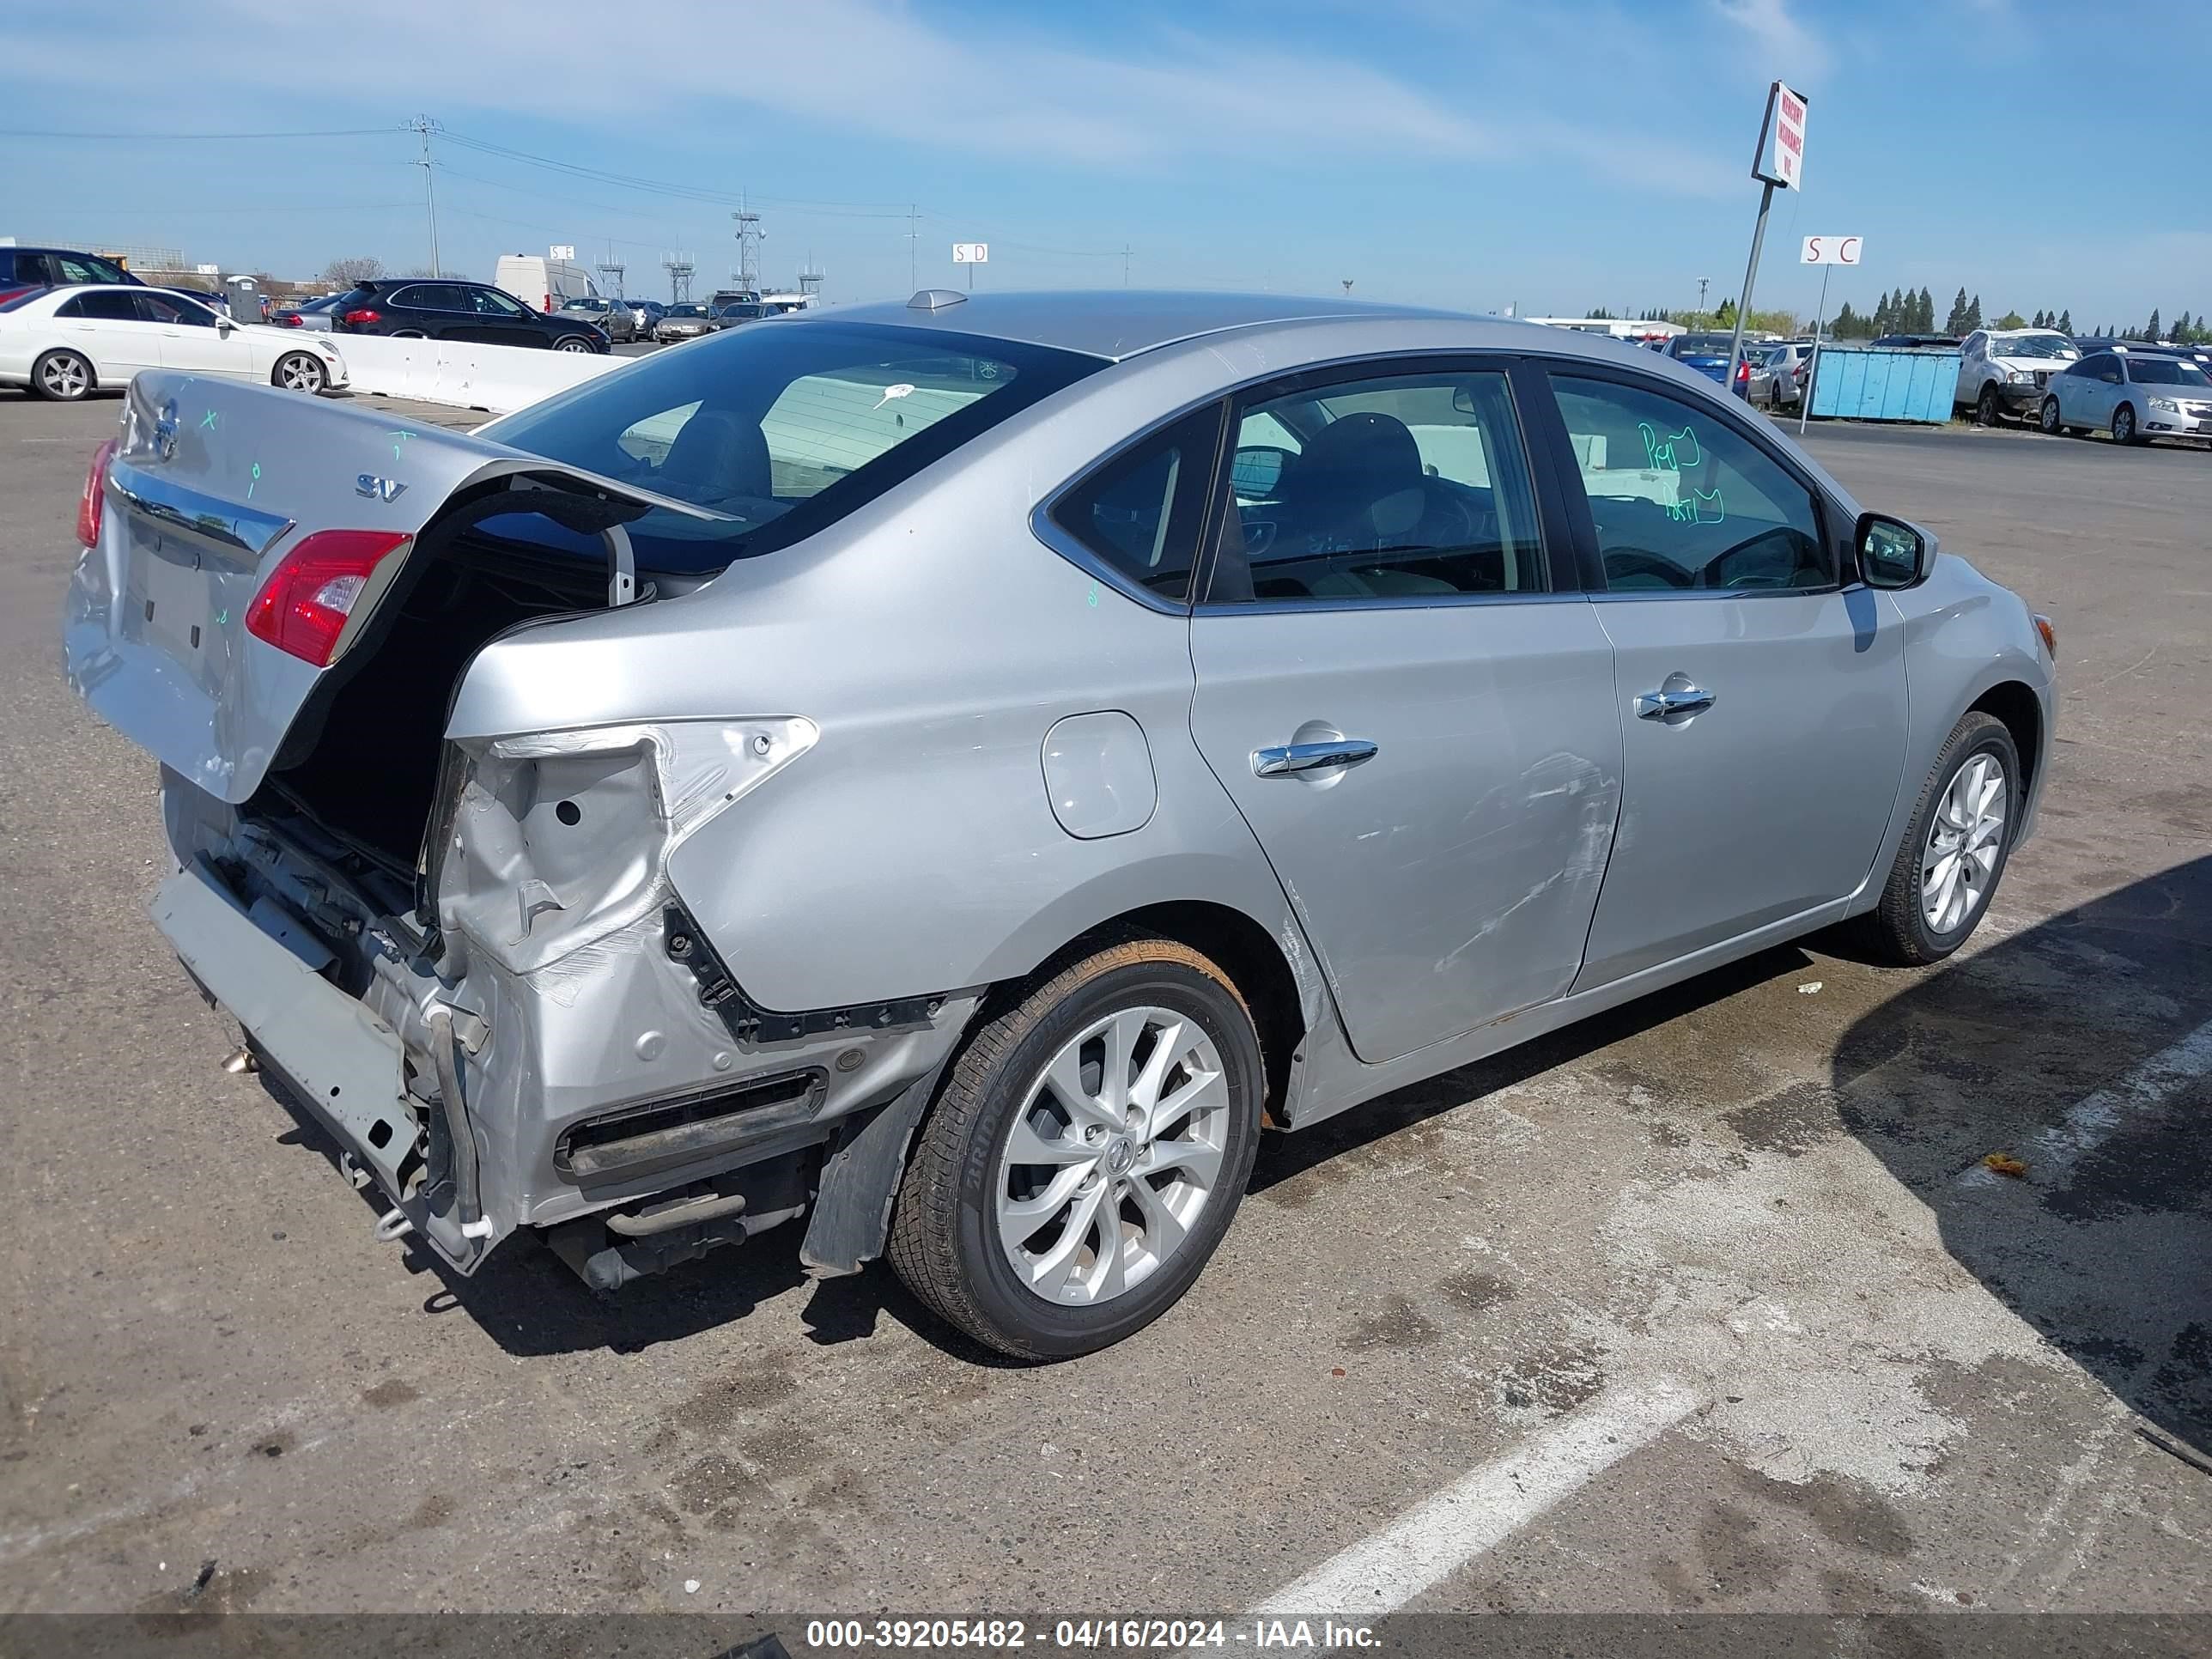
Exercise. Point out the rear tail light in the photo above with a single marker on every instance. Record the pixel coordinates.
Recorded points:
(92, 506)
(548, 305)
(358, 318)
(288, 319)
(304, 607)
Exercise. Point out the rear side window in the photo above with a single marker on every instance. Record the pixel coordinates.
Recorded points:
(1141, 511)
(775, 433)
(1406, 487)
(101, 307)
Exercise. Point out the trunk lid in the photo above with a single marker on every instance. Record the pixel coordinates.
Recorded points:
(210, 483)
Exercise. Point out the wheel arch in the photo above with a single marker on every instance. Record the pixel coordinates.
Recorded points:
(2014, 702)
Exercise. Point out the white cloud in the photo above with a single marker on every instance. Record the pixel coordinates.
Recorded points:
(1785, 47)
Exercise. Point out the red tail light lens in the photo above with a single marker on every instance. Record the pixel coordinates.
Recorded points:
(303, 608)
(288, 319)
(92, 506)
(548, 305)
(355, 318)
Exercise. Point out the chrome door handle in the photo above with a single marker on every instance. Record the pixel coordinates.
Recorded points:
(1282, 760)
(1684, 699)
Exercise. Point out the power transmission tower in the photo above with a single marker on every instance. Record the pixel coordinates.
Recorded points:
(614, 273)
(679, 278)
(424, 126)
(1702, 282)
(810, 279)
(749, 237)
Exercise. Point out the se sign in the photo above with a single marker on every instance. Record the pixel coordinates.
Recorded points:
(1831, 251)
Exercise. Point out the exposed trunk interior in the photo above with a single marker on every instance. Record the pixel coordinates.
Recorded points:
(363, 758)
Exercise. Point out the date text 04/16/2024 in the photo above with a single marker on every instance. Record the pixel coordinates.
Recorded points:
(1085, 1635)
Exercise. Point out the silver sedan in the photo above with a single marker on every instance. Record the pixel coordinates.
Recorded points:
(950, 775)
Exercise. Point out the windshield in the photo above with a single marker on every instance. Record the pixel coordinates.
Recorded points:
(745, 310)
(2033, 346)
(687, 311)
(583, 305)
(1702, 345)
(782, 431)
(2165, 371)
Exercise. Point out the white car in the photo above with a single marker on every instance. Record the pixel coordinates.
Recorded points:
(2004, 370)
(65, 342)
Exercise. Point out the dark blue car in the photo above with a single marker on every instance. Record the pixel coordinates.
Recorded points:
(1709, 354)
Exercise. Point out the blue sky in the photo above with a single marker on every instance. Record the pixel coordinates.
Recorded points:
(1555, 153)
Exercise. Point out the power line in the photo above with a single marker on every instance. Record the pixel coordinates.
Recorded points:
(210, 138)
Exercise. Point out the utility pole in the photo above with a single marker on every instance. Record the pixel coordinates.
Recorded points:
(913, 248)
(748, 236)
(1702, 283)
(424, 126)
(1125, 264)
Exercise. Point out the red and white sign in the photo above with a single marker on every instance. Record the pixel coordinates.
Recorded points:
(1831, 251)
(1782, 144)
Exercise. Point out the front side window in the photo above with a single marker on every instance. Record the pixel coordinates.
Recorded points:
(1401, 487)
(1140, 512)
(491, 302)
(775, 433)
(1683, 501)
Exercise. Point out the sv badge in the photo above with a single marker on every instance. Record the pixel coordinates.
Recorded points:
(378, 489)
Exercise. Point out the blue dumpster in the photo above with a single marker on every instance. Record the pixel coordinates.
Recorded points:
(1863, 383)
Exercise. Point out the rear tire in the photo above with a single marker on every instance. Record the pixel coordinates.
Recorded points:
(1950, 815)
(300, 370)
(572, 343)
(408, 334)
(988, 1239)
(63, 377)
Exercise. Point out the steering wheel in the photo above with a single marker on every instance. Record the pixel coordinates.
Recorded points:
(1710, 576)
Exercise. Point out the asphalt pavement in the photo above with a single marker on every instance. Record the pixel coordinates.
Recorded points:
(1697, 1307)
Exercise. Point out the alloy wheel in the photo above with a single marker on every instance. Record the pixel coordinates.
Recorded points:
(65, 376)
(2051, 421)
(2124, 425)
(1115, 1151)
(1964, 838)
(300, 372)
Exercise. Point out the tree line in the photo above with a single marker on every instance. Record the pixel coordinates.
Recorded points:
(1902, 311)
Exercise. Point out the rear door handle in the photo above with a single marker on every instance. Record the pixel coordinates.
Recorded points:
(1287, 758)
(1679, 700)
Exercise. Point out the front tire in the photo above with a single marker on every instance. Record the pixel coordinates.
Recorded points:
(300, 370)
(2124, 425)
(63, 377)
(1986, 408)
(1087, 1155)
(2048, 418)
(1953, 853)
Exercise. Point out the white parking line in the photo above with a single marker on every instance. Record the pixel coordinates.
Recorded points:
(2098, 1117)
(1440, 1534)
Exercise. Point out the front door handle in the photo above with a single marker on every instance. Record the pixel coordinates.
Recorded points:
(1288, 758)
(1672, 700)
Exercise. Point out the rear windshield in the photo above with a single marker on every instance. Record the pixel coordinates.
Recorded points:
(1702, 345)
(778, 432)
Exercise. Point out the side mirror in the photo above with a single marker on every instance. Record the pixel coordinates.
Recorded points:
(1255, 469)
(222, 323)
(1891, 553)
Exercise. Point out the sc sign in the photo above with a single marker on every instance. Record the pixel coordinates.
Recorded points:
(1831, 251)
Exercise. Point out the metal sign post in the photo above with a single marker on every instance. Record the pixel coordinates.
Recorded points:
(1779, 162)
(1826, 251)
